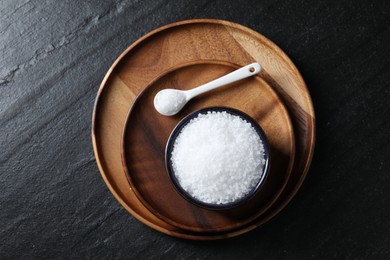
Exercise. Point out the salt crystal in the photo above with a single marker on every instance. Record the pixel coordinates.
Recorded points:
(169, 101)
(218, 158)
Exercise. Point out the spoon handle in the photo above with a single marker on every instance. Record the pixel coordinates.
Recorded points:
(242, 73)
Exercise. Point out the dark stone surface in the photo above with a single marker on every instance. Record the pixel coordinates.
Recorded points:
(54, 204)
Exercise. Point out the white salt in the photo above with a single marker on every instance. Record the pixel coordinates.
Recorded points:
(169, 101)
(218, 157)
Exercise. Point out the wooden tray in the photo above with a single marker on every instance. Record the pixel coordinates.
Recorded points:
(185, 42)
(147, 132)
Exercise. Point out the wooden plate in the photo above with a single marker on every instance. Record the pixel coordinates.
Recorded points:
(146, 134)
(183, 42)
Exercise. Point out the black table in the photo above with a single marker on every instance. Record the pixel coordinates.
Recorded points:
(54, 203)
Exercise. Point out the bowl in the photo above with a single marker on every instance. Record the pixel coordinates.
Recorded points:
(175, 181)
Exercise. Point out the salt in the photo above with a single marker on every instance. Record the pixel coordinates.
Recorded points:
(169, 101)
(218, 158)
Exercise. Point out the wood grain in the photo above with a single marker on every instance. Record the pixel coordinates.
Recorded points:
(147, 133)
(186, 42)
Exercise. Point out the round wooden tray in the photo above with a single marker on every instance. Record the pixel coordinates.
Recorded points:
(181, 43)
(146, 134)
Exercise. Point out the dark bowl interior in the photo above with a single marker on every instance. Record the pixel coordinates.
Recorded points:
(176, 132)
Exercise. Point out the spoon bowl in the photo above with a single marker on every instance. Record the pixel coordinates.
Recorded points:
(169, 102)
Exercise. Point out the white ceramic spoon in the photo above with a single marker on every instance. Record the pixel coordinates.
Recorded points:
(169, 102)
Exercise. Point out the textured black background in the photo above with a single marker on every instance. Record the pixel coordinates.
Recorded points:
(53, 56)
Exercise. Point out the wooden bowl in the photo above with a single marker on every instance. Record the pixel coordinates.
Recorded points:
(146, 133)
(185, 193)
(156, 53)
